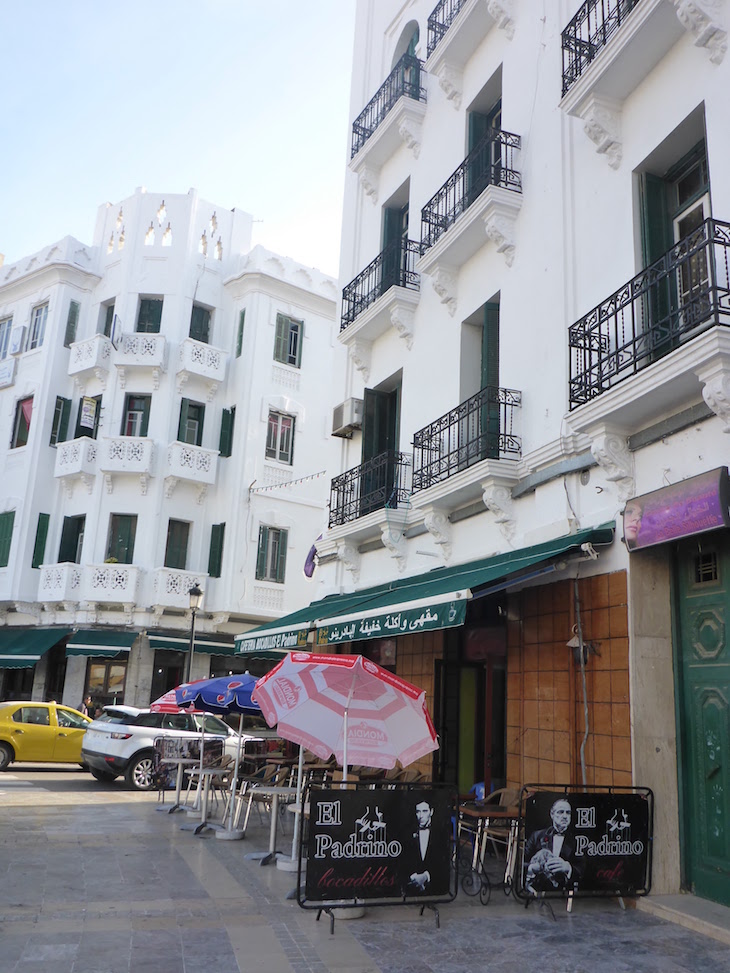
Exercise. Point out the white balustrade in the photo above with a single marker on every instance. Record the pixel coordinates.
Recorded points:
(91, 357)
(201, 361)
(171, 587)
(59, 583)
(141, 351)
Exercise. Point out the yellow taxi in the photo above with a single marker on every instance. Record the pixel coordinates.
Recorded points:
(40, 733)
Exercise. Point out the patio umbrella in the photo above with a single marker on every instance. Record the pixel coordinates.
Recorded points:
(167, 703)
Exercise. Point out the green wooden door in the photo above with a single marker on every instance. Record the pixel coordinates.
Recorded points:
(379, 439)
(704, 713)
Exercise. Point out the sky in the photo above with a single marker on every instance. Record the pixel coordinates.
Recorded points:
(247, 101)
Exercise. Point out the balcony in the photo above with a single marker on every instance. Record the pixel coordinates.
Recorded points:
(391, 118)
(192, 464)
(203, 362)
(171, 587)
(111, 584)
(60, 583)
(124, 455)
(141, 352)
(456, 28)
(374, 485)
(76, 460)
(90, 359)
(610, 46)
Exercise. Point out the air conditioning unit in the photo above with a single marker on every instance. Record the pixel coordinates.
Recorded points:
(346, 417)
(17, 340)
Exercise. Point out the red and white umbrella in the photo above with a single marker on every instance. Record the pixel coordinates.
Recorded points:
(167, 703)
(347, 706)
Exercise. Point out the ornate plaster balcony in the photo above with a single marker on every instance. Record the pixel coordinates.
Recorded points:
(126, 455)
(111, 584)
(203, 362)
(90, 359)
(192, 464)
(60, 583)
(141, 352)
(171, 587)
(77, 460)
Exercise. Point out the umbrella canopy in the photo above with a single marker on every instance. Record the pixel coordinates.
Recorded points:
(167, 703)
(347, 706)
(224, 694)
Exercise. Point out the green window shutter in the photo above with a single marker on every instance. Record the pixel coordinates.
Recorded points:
(71, 323)
(281, 560)
(68, 548)
(200, 324)
(59, 427)
(123, 529)
(41, 534)
(281, 342)
(490, 346)
(261, 556)
(176, 549)
(146, 414)
(300, 344)
(228, 418)
(656, 226)
(150, 315)
(239, 336)
(6, 535)
(215, 557)
(183, 423)
(201, 422)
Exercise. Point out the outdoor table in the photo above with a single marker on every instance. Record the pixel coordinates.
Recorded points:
(482, 815)
(274, 792)
(207, 773)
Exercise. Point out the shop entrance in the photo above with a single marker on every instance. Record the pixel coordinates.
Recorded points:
(703, 665)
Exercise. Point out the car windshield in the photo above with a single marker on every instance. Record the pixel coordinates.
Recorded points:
(114, 716)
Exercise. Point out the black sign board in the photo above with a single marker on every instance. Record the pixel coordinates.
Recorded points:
(382, 846)
(595, 842)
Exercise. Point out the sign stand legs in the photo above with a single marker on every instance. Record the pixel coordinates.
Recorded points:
(428, 905)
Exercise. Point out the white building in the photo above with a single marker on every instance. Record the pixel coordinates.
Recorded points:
(535, 312)
(162, 426)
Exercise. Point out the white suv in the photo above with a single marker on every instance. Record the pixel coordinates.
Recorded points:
(122, 741)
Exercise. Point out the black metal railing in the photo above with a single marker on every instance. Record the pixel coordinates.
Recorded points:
(439, 21)
(677, 297)
(588, 32)
(378, 483)
(403, 80)
(480, 428)
(490, 163)
(393, 267)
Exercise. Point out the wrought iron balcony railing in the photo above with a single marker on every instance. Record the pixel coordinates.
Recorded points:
(378, 483)
(439, 21)
(676, 298)
(588, 32)
(490, 163)
(478, 429)
(403, 80)
(393, 267)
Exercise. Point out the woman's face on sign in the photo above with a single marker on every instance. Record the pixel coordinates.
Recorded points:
(632, 521)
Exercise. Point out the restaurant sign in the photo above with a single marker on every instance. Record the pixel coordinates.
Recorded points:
(596, 842)
(285, 640)
(383, 846)
(380, 624)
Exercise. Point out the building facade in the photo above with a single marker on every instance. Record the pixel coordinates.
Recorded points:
(162, 428)
(535, 314)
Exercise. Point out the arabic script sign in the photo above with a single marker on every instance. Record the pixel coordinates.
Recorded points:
(403, 622)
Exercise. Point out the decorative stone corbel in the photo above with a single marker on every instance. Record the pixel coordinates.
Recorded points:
(499, 232)
(3, 616)
(439, 527)
(88, 480)
(202, 492)
(610, 450)
(182, 378)
(602, 124)
(156, 372)
(109, 482)
(220, 618)
(497, 499)
(144, 479)
(350, 557)
(212, 389)
(451, 82)
(402, 319)
(395, 544)
(122, 376)
(715, 378)
(369, 178)
(410, 132)
(31, 608)
(501, 11)
(80, 385)
(360, 352)
(444, 281)
(500, 215)
(128, 608)
(702, 19)
(170, 484)
(101, 375)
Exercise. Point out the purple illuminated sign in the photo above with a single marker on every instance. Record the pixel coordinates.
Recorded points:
(693, 506)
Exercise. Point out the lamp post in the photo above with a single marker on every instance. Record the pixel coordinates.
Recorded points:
(196, 599)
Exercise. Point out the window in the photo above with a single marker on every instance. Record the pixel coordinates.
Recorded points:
(59, 426)
(150, 315)
(136, 415)
(41, 535)
(239, 336)
(37, 327)
(120, 543)
(6, 535)
(21, 426)
(176, 549)
(271, 559)
(215, 557)
(107, 319)
(72, 322)
(200, 324)
(72, 540)
(32, 714)
(228, 421)
(87, 417)
(288, 341)
(190, 428)
(6, 326)
(280, 437)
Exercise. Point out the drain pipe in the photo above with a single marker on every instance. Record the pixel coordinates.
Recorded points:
(581, 650)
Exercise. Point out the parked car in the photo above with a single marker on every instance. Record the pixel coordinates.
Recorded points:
(32, 732)
(122, 740)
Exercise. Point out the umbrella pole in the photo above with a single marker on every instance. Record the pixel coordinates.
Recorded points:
(228, 831)
(300, 796)
(344, 750)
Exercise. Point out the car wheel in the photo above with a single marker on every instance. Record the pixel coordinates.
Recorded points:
(140, 773)
(6, 756)
(102, 775)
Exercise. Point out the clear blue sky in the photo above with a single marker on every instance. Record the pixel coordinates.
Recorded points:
(245, 100)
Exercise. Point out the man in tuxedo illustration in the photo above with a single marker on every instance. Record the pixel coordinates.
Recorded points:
(424, 856)
(550, 853)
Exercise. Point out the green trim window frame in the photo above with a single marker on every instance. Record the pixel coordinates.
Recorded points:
(200, 324)
(6, 326)
(72, 540)
(107, 319)
(41, 536)
(21, 425)
(120, 542)
(271, 556)
(239, 335)
(176, 547)
(149, 316)
(136, 418)
(37, 330)
(72, 323)
(215, 556)
(59, 424)
(280, 437)
(7, 520)
(190, 427)
(288, 340)
(228, 422)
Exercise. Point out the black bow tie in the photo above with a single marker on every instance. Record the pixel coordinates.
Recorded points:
(425, 827)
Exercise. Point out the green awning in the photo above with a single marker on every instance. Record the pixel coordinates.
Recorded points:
(180, 642)
(21, 648)
(101, 644)
(425, 602)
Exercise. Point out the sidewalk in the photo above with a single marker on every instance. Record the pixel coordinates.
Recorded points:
(113, 886)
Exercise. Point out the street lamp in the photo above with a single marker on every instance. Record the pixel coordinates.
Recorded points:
(196, 600)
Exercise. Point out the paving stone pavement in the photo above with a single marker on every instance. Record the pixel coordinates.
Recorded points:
(111, 886)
